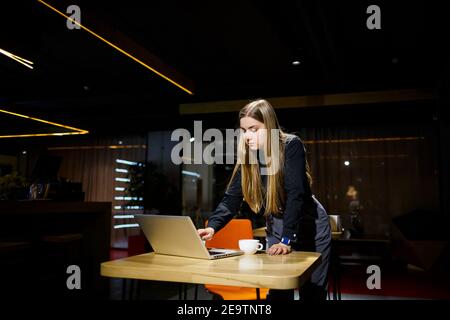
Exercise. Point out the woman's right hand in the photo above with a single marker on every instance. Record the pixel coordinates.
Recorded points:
(206, 234)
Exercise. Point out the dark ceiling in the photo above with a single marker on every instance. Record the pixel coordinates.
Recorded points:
(228, 49)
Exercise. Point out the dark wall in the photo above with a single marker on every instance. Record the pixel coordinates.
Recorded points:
(159, 147)
(444, 141)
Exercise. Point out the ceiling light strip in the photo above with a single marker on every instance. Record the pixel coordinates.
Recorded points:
(117, 48)
(44, 121)
(21, 60)
(41, 134)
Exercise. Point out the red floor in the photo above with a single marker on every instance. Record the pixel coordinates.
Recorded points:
(115, 254)
(400, 283)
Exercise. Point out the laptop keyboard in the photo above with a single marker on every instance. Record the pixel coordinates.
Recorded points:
(215, 252)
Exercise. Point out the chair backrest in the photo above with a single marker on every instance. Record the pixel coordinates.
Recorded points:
(229, 236)
(335, 222)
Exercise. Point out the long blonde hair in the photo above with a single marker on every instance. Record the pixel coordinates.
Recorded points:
(273, 198)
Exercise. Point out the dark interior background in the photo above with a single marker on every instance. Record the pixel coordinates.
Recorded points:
(398, 151)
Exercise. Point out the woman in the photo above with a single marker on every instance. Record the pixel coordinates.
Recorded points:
(279, 188)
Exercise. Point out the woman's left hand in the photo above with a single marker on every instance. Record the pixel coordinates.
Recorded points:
(279, 248)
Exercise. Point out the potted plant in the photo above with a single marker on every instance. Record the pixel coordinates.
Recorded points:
(151, 185)
(13, 187)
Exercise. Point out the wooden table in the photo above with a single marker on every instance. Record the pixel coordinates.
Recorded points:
(255, 271)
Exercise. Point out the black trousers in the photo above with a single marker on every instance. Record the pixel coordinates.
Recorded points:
(313, 290)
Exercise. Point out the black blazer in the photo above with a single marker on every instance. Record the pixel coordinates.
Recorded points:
(304, 219)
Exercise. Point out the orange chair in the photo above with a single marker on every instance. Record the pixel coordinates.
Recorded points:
(228, 238)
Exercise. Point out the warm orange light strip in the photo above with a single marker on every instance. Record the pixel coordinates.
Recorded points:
(117, 48)
(77, 131)
(20, 60)
(41, 134)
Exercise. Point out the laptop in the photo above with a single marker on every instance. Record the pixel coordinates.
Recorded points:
(177, 236)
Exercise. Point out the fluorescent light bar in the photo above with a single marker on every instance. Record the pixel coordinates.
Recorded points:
(123, 216)
(131, 163)
(128, 225)
(128, 207)
(190, 173)
(128, 198)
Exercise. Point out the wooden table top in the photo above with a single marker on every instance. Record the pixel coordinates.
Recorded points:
(255, 271)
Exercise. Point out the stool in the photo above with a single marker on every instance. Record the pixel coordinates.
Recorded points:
(335, 272)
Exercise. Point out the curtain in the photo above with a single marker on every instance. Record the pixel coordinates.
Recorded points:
(394, 171)
(92, 161)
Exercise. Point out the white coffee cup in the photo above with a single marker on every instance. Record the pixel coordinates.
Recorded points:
(250, 246)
